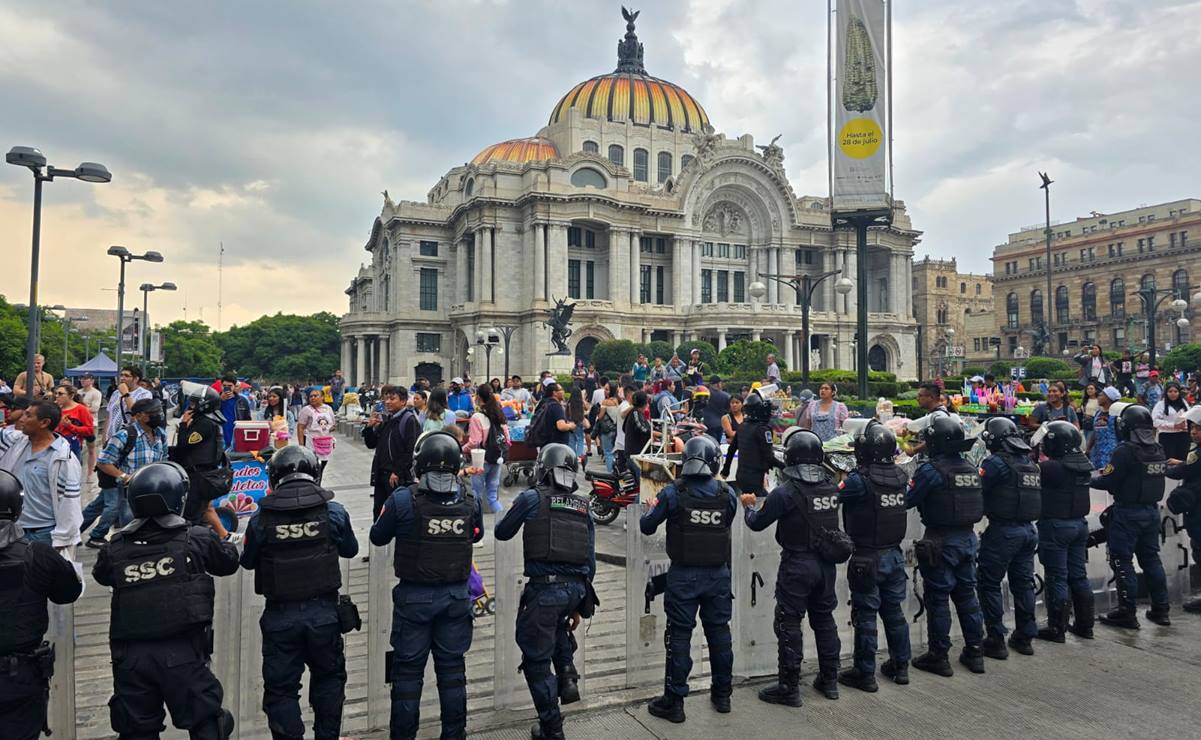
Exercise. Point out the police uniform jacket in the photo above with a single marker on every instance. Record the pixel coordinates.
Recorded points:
(526, 508)
(1135, 474)
(705, 535)
(399, 520)
(30, 574)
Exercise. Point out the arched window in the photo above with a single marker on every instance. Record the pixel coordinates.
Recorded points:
(641, 163)
(1062, 305)
(1180, 284)
(1117, 297)
(977, 288)
(685, 161)
(963, 289)
(663, 167)
(1036, 306)
(1011, 310)
(1088, 301)
(470, 187)
(590, 147)
(617, 155)
(586, 177)
(1148, 282)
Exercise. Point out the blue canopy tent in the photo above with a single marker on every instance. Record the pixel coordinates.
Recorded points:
(101, 366)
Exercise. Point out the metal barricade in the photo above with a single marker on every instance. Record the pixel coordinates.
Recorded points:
(754, 565)
(1100, 575)
(380, 580)
(1173, 549)
(238, 650)
(61, 634)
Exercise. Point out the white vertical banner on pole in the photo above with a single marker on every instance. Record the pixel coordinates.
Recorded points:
(860, 104)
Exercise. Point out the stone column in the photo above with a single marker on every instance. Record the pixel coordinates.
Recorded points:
(556, 261)
(635, 269)
(360, 372)
(619, 286)
(679, 283)
(752, 272)
(850, 269)
(344, 362)
(461, 271)
(385, 366)
(721, 339)
(477, 251)
(757, 335)
(677, 338)
(539, 261)
(773, 288)
(489, 276)
(696, 272)
(790, 357)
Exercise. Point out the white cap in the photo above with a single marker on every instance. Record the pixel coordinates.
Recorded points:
(1113, 393)
(457, 381)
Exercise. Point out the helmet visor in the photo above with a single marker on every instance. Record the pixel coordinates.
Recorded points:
(438, 481)
(563, 478)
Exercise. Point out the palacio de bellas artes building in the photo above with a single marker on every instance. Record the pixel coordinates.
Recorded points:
(628, 204)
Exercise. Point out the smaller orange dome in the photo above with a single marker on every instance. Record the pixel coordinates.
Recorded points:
(533, 149)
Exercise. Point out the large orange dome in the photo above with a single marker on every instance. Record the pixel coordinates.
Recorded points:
(533, 149)
(630, 94)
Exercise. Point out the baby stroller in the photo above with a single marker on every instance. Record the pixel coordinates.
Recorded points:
(482, 602)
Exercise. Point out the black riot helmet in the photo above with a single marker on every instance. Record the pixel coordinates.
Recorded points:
(557, 465)
(1000, 433)
(12, 496)
(1060, 439)
(202, 399)
(875, 444)
(756, 408)
(702, 457)
(159, 489)
(1134, 425)
(944, 435)
(293, 463)
(437, 458)
(803, 448)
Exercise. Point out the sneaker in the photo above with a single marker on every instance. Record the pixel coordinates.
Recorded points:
(857, 680)
(931, 663)
(897, 671)
(973, 658)
(1021, 644)
(669, 707)
(1159, 617)
(994, 647)
(789, 696)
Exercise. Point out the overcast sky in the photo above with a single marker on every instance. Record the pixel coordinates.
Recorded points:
(273, 126)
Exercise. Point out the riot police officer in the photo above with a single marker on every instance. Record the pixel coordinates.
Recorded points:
(560, 561)
(874, 515)
(30, 574)
(201, 451)
(804, 505)
(699, 510)
(947, 492)
(1135, 478)
(435, 521)
(1012, 503)
(1063, 532)
(160, 570)
(1186, 499)
(755, 453)
(292, 544)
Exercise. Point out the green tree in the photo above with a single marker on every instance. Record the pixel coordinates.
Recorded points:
(12, 341)
(1185, 357)
(190, 349)
(283, 347)
(657, 349)
(1047, 367)
(615, 355)
(1000, 368)
(708, 353)
(745, 356)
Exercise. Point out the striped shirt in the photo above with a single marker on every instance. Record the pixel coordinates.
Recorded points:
(144, 452)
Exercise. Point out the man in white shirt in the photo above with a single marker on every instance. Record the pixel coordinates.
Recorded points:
(773, 370)
(515, 391)
(128, 393)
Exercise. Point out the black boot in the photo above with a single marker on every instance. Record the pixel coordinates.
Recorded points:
(669, 707)
(994, 647)
(826, 681)
(856, 680)
(1020, 644)
(786, 692)
(1193, 605)
(1159, 615)
(720, 699)
(931, 663)
(538, 732)
(1057, 622)
(897, 671)
(1085, 616)
(569, 689)
(972, 656)
(1123, 617)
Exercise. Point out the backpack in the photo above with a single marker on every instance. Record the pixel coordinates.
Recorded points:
(104, 480)
(605, 423)
(538, 433)
(496, 447)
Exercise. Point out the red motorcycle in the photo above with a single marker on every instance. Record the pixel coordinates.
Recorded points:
(610, 494)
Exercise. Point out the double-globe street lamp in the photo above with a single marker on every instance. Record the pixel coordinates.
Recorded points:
(804, 285)
(33, 160)
(126, 257)
(1153, 298)
(144, 339)
(489, 339)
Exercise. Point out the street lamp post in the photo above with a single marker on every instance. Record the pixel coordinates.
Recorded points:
(489, 341)
(1152, 299)
(506, 333)
(804, 285)
(126, 257)
(33, 160)
(146, 289)
(861, 221)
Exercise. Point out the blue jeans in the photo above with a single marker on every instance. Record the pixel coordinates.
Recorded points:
(488, 483)
(1134, 530)
(885, 596)
(575, 441)
(111, 508)
(1063, 550)
(707, 590)
(425, 619)
(39, 534)
(1008, 548)
(607, 441)
(954, 578)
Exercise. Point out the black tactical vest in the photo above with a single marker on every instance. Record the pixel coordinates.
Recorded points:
(437, 549)
(878, 521)
(1069, 499)
(960, 501)
(1144, 486)
(558, 533)
(698, 533)
(24, 611)
(299, 558)
(815, 506)
(159, 590)
(1019, 497)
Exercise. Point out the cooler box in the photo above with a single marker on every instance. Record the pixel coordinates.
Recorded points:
(250, 436)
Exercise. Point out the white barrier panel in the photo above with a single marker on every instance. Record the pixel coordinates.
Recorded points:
(754, 565)
(61, 634)
(380, 580)
(509, 689)
(1173, 549)
(227, 643)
